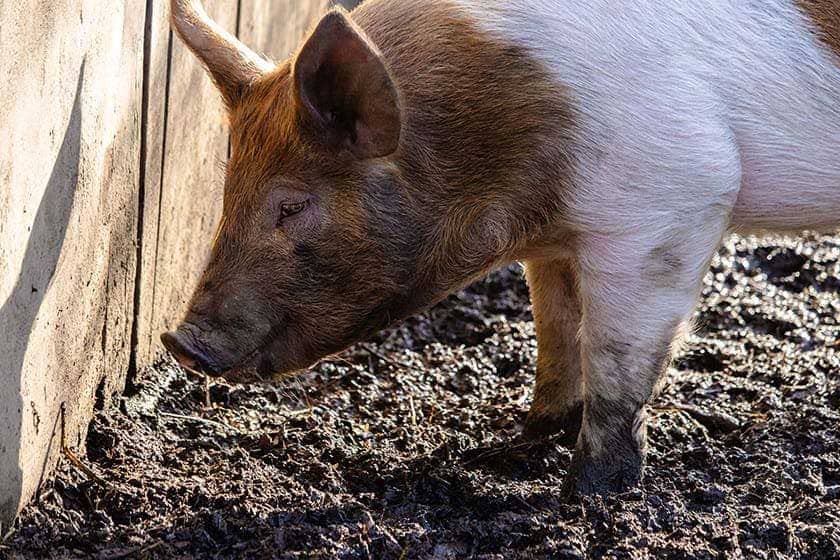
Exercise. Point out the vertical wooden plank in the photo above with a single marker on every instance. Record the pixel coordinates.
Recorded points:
(156, 69)
(191, 181)
(276, 27)
(71, 73)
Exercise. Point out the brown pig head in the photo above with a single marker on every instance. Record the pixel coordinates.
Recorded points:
(317, 245)
(350, 201)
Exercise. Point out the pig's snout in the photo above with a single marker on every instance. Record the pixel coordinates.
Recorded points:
(182, 346)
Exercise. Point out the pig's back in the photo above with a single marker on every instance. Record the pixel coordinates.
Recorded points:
(759, 66)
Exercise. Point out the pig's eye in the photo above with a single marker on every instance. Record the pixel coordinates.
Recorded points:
(292, 208)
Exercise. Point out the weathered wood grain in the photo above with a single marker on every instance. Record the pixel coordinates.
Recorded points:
(275, 28)
(156, 61)
(179, 227)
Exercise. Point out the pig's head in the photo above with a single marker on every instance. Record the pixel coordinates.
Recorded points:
(330, 229)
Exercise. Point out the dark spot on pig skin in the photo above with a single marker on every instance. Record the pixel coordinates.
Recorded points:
(663, 266)
(626, 363)
(567, 423)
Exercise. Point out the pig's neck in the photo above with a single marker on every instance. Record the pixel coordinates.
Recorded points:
(487, 134)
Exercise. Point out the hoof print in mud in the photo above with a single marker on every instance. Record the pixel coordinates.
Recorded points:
(608, 474)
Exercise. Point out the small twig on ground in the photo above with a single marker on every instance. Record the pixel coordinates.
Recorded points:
(339, 359)
(199, 420)
(205, 379)
(305, 395)
(396, 363)
(137, 551)
(293, 413)
(191, 371)
(65, 449)
(84, 468)
(5, 536)
(207, 402)
(509, 448)
(526, 504)
(413, 413)
(719, 421)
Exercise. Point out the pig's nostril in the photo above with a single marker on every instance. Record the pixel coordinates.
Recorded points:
(186, 354)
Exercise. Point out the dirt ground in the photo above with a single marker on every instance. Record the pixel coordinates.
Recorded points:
(406, 447)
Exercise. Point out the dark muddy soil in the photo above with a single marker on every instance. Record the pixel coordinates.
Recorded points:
(406, 447)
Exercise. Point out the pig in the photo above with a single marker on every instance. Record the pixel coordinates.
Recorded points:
(409, 147)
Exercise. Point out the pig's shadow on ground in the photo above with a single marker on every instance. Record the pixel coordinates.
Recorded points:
(43, 250)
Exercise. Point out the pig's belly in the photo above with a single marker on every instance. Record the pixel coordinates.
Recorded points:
(789, 184)
(756, 213)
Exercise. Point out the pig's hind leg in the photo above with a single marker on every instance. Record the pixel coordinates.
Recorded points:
(636, 289)
(557, 405)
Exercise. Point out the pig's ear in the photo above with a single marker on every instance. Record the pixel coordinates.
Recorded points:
(232, 65)
(345, 90)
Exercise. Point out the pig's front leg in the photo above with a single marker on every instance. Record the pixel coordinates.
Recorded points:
(636, 291)
(558, 400)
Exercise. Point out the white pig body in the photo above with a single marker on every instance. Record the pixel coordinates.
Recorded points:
(692, 119)
(675, 94)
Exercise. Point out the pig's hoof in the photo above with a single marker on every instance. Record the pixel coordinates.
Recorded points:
(541, 424)
(608, 474)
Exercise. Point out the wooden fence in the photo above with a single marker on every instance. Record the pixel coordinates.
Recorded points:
(111, 145)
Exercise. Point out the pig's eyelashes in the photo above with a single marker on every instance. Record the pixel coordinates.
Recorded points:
(290, 209)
